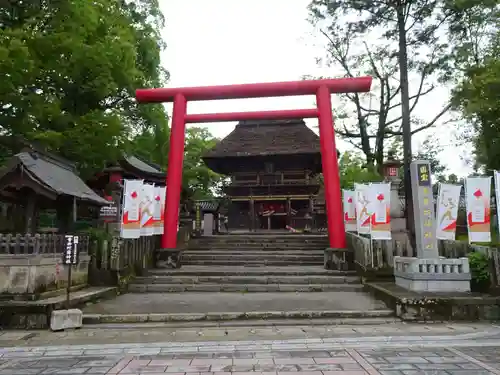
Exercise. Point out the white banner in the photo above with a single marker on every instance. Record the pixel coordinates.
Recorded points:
(379, 196)
(349, 210)
(447, 211)
(478, 197)
(147, 210)
(362, 208)
(497, 196)
(130, 215)
(157, 215)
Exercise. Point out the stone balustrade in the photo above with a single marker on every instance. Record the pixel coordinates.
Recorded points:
(432, 275)
(434, 266)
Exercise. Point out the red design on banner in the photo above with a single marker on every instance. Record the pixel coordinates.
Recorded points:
(380, 197)
(451, 226)
(487, 218)
(126, 219)
(478, 193)
(134, 195)
(349, 200)
(157, 198)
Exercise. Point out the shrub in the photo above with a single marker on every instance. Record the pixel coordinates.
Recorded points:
(480, 272)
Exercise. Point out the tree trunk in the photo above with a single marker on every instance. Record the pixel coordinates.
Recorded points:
(405, 120)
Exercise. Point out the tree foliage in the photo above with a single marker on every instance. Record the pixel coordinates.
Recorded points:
(69, 71)
(199, 181)
(475, 34)
(352, 169)
(403, 28)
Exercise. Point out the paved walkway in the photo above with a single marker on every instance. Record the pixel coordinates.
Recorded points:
(441, 349)
(234, 302)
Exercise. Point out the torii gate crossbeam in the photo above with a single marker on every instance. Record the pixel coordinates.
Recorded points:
(322, 89)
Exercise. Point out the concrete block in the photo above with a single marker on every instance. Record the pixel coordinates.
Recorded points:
(66, 319)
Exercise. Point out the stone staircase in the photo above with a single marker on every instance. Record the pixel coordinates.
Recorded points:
(245, 279)
(250, 263)
(257, 250)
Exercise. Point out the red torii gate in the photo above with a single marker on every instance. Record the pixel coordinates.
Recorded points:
(322, 88)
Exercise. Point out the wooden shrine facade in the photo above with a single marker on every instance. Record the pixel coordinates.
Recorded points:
(273, 168)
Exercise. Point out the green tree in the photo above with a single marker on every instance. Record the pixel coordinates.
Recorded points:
(430, 150)
(152, 143)
(69, 71)
(475, 37)
(198, 180)
(353, 168)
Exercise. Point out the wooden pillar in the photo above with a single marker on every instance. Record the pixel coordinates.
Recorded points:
(252, 215)
(311, 209)
(288, 211)
(64, 211)
(30, 213)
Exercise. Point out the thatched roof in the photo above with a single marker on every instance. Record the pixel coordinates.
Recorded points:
(264, 138)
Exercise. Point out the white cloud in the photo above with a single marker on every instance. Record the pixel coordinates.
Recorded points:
(226, 41)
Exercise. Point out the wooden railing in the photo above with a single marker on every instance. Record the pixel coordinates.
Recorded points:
(117, 253)
(376, 254)
(23, 244)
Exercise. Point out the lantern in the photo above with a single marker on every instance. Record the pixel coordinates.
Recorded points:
(391, 167)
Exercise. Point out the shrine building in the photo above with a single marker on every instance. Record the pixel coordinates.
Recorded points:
(273, 168)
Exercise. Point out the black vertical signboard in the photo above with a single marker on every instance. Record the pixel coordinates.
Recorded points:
(71, 257)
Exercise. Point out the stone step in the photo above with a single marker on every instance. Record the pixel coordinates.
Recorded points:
(237, 252)
(258, 241)
(255, 279)
(251, 256)
(240, 270)
(251, 324)
(109, 318)
(246, 247)
(226, 306)
(285, 235)
(253, 263)
(242, 288)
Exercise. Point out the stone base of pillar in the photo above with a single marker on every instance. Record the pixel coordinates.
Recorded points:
(432, 275)
(338, 259)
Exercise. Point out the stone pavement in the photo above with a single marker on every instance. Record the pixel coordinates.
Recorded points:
(193, 303)
(438, 349)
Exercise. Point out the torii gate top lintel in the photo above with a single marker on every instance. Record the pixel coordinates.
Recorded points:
(255, 90)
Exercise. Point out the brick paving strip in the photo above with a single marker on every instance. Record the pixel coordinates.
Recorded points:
(404, 355)
(470, 350)
(475, 361)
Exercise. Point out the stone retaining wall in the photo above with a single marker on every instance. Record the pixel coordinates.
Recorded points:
(26, 276)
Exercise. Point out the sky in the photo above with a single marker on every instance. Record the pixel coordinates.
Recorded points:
(221, 42)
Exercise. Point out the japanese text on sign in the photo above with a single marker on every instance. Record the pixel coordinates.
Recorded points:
(71, 251)
(423, 209)
(424, 175)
